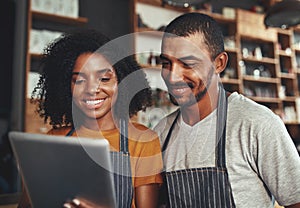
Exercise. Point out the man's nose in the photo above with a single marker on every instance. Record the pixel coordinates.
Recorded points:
(175, 73)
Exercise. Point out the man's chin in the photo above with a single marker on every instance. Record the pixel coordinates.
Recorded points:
(182, 103)
(173, 100)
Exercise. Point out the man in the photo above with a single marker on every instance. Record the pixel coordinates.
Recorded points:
(220, 149)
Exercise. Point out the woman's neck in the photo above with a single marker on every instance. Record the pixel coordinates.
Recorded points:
(99, 124)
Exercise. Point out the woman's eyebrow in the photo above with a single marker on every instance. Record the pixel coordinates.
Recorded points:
(77, 73)
(100, 71)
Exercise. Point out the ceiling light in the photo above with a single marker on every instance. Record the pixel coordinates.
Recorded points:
(283, 14)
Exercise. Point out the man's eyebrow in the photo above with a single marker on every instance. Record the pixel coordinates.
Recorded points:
(162, 56)
(191, 57)
(182, 59)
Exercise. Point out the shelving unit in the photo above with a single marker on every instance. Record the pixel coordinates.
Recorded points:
(264, 63)
(41, 21)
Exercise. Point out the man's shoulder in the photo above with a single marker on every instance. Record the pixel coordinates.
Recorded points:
(166, 121)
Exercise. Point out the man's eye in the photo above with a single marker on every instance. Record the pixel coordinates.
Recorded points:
(189, 65)
(104, 79)
(165, 64)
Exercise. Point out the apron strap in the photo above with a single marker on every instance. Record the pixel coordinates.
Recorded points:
(170, 132)
(123, 123)
(221, 128)
(70, 133)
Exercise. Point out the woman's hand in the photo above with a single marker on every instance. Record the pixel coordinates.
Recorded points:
(82, 203)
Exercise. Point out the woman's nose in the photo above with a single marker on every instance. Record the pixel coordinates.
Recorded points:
(93, 87)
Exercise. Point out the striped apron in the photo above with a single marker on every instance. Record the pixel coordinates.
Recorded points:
(121, 169)
(202, 187)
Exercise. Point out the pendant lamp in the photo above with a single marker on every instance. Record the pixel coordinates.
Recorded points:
(283, 14)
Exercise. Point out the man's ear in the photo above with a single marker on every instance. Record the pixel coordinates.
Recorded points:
(221, 62)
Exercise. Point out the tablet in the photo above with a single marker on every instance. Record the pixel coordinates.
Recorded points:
(58, 168)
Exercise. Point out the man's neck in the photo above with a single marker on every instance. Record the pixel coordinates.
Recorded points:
(200, 110)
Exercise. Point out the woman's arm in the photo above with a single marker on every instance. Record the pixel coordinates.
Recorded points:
(294, 206)
(146, 196)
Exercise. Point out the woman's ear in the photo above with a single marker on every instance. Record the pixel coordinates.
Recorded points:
(221, 62)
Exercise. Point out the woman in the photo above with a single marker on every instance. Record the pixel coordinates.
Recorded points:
(87, 89)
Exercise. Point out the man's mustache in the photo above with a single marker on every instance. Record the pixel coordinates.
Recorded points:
(181, 85)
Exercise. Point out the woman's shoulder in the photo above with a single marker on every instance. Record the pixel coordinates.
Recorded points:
(139, 130)
(60, 131)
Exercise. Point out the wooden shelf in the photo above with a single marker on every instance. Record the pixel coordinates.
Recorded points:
(150, 32)
(287, 75)
(263, 60)
(231, 50)
(158, 3)
(283, 53)
(230, 81)
(221, 18)
(36, 55)
(265, 99)
(289, 99)
(291, 123)
(59, 18)
(261, 79)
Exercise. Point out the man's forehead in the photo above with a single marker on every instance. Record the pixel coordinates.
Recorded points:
(184, 46)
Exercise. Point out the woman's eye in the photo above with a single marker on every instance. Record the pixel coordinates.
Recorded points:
(79, 81)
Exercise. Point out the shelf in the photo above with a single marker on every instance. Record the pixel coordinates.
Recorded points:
(287, 75)
(289, 99)
(283, 53)
(261, 79)
(36, 55)
(230, 81)
(150, 31)
(231, 50)
(263, 60)
(291, 123)
(265, 99)
(255, 38)
(59, 18)
(158, 3)
(284, 32)
(219, 17)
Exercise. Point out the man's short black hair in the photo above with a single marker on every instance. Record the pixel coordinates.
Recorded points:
(192, 23)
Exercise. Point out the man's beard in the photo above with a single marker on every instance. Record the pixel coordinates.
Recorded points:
(194, 98)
